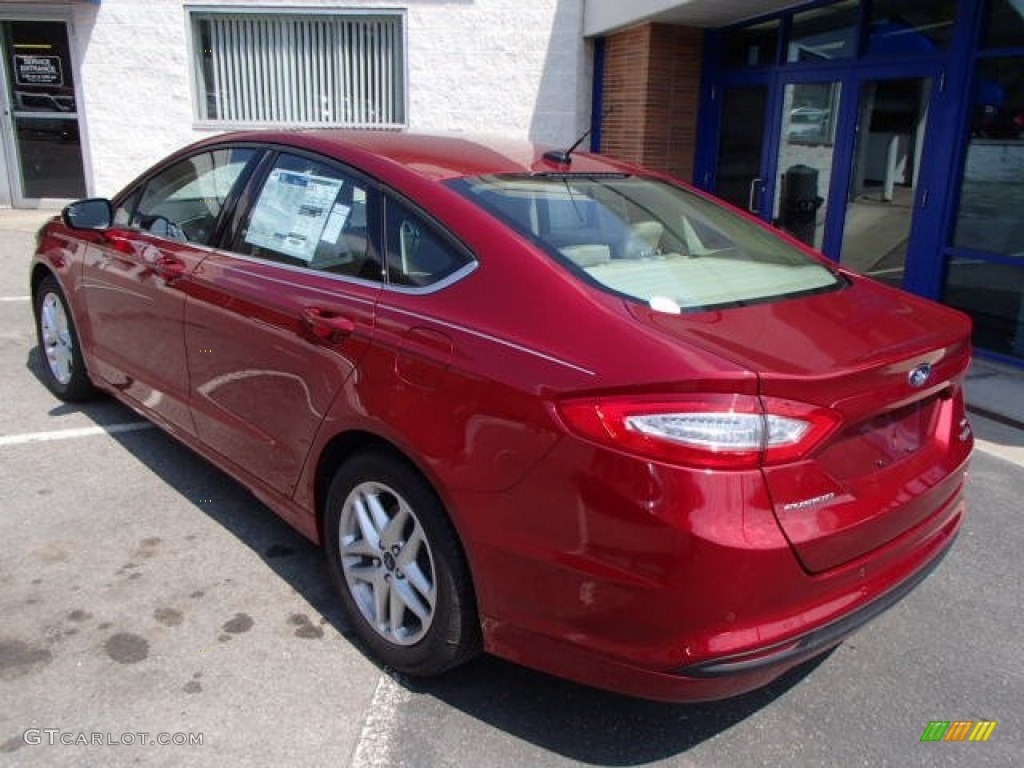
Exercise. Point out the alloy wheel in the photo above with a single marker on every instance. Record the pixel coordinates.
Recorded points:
(58, 343)
(387, 563)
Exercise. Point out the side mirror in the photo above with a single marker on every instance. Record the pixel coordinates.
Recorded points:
(94, 213)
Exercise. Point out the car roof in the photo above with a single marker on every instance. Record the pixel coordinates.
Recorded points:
(433, 156)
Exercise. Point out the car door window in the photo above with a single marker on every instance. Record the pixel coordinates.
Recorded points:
(124, 209)
(311, 214)
(184, 201)
(418, 254)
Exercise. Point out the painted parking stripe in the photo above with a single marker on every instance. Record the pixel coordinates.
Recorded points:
(68, 434)
(14, 298)
(376, 741)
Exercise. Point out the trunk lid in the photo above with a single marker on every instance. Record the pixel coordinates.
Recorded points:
(892, 366)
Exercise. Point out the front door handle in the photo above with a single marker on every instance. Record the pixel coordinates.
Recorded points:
(118, 242)
(327, 325)
(170, 268)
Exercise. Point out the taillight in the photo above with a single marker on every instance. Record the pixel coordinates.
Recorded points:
(713, 431)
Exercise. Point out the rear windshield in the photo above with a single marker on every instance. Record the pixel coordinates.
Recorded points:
(650, 240)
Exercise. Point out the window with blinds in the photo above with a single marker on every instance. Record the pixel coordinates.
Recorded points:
(325, 69)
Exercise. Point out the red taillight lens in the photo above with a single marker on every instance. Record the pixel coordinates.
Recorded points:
(712, 431)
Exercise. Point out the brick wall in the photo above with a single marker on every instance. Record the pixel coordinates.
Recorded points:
(651, 90)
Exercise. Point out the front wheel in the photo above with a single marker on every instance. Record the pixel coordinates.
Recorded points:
(398, 566)
(64, 373)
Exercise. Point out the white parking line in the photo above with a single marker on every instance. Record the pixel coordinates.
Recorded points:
(15, 298)
(67, 434)
(373, 750)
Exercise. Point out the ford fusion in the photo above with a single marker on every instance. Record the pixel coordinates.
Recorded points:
(539, 404)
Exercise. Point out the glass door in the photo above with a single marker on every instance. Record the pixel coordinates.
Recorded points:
(739, 170)
(42, 144)
(807, 157)
(892, 122)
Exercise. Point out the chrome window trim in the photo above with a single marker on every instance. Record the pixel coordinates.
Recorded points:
(301, 270)
(421, 290)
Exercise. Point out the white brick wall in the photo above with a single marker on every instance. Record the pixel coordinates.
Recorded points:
(517, 68)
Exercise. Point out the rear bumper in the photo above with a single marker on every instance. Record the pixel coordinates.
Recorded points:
(818, 641)
(730, 621)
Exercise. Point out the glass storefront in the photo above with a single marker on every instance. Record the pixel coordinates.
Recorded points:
(985, 266)
(892, 140)
(839, 166)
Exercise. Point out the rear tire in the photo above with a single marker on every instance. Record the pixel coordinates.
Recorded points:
(63, 365)
(398, 566)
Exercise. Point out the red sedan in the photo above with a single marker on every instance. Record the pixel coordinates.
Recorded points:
(546, 405)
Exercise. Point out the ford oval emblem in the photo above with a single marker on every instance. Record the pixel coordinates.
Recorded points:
(920, 375)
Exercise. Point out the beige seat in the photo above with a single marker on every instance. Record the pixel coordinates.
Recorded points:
(587, 254)
(649, 233)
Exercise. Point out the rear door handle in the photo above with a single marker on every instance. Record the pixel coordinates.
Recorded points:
(327, 325)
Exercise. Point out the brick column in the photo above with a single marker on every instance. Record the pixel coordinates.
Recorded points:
(651, 94)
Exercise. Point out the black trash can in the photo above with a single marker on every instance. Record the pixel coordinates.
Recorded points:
(800, 202)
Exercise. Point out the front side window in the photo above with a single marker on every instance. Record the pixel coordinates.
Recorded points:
(649, 240)
(343, 69)
(311, 214)
(184, 201)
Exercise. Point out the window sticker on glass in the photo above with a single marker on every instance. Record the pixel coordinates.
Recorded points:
(292, 213)
(339, 215)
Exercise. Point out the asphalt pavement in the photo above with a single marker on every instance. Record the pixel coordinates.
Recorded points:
(146, 598)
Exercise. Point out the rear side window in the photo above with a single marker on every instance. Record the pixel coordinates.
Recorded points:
(418, 254)
(184, 201)
(312, 214)
(649, 240)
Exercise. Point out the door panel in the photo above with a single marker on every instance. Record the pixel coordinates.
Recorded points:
(276, 328)
(133, 286)
(136, 277)
(265, 362)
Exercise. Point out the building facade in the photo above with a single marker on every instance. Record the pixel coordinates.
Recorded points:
(887, 133)
(96, 90)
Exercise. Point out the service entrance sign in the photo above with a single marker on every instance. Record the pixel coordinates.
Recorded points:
(33, 69)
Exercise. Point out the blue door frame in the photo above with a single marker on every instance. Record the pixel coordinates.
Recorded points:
(935, 195)
(927, 235)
